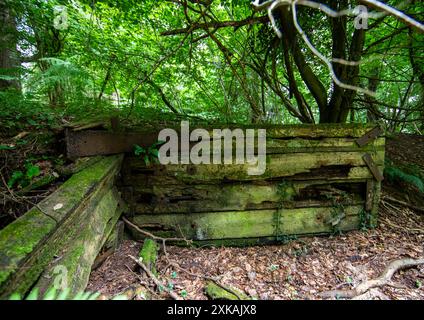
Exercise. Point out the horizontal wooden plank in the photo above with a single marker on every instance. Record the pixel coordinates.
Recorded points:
(101, 142)
(251, 224)
(243, 196)
(277, 166)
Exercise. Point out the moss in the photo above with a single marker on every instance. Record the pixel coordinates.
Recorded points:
(149, 254)
(249, 224)
(31, 241)
(20, 238)
(78, 255)
(216, 292)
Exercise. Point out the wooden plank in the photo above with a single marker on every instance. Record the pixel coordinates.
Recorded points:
(242, 196)
(101, 142)
(249, 224)
(137, 178)
(369, 136)
(277, 166)
(29, 243)
(373, 167)
(369, 195)
(92, 142)
(79, 254)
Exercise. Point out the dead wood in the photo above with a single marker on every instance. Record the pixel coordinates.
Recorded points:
(158, 283)
(382, 280)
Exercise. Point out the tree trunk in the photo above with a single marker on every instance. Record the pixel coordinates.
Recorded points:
(8, 50)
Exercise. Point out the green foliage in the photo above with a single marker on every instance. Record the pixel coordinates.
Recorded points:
(395, 174)
(24, 179)
(149, 154)
(54, 294)
(366, 220)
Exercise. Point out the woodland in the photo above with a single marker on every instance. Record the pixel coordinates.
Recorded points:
(81, 65)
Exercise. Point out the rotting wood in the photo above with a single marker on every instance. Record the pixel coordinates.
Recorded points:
(373, 167)
(369, 136)
(241, 196)
(101, 142)
(247, 224)
(111, 244)
(315, 168)
(220, 292)
(277, 166)
(369, 195)
(149, 254)
(30, 243)
(72, 269)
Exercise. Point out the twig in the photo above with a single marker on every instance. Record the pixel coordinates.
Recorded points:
(158, 283)
(151, 235)
(390, 199)
(382, 280)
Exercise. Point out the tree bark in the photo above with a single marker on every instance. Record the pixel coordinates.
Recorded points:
(8, 52)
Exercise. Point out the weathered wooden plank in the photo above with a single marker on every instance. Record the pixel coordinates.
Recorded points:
(277, 166)
(243, 196)
(250, 224)
(372, 165)
(112, 243)
(91, 142)
(101, 142)
(73, 269)
(343, 173)
(369, 195)
(29, 243)
(369, 136)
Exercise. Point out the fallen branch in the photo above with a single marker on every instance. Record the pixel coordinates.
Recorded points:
(158, 283)
(151, 235)
(382, 280)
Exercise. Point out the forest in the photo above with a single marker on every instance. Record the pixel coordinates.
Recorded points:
(87, 85)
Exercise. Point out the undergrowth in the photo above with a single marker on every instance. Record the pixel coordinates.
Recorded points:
(410, 175)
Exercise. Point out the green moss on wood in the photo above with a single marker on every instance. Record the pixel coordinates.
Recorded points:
(249, 224)
(29, 243)
(217, 292)
(79, 254)
(149, 254)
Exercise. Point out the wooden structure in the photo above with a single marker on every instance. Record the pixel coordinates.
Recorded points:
(319, 179)
(56, 243)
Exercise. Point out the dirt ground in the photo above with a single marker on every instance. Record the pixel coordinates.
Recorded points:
(300, 269)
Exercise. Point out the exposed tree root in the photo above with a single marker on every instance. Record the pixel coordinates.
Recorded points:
(382, 280)
(393, 200)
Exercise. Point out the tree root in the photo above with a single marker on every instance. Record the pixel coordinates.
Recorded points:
(382, 280)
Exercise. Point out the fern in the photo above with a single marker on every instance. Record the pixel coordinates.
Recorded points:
(53, 294)
(395, 174)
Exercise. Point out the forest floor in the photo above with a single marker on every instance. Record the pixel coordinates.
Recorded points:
(301, 269)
